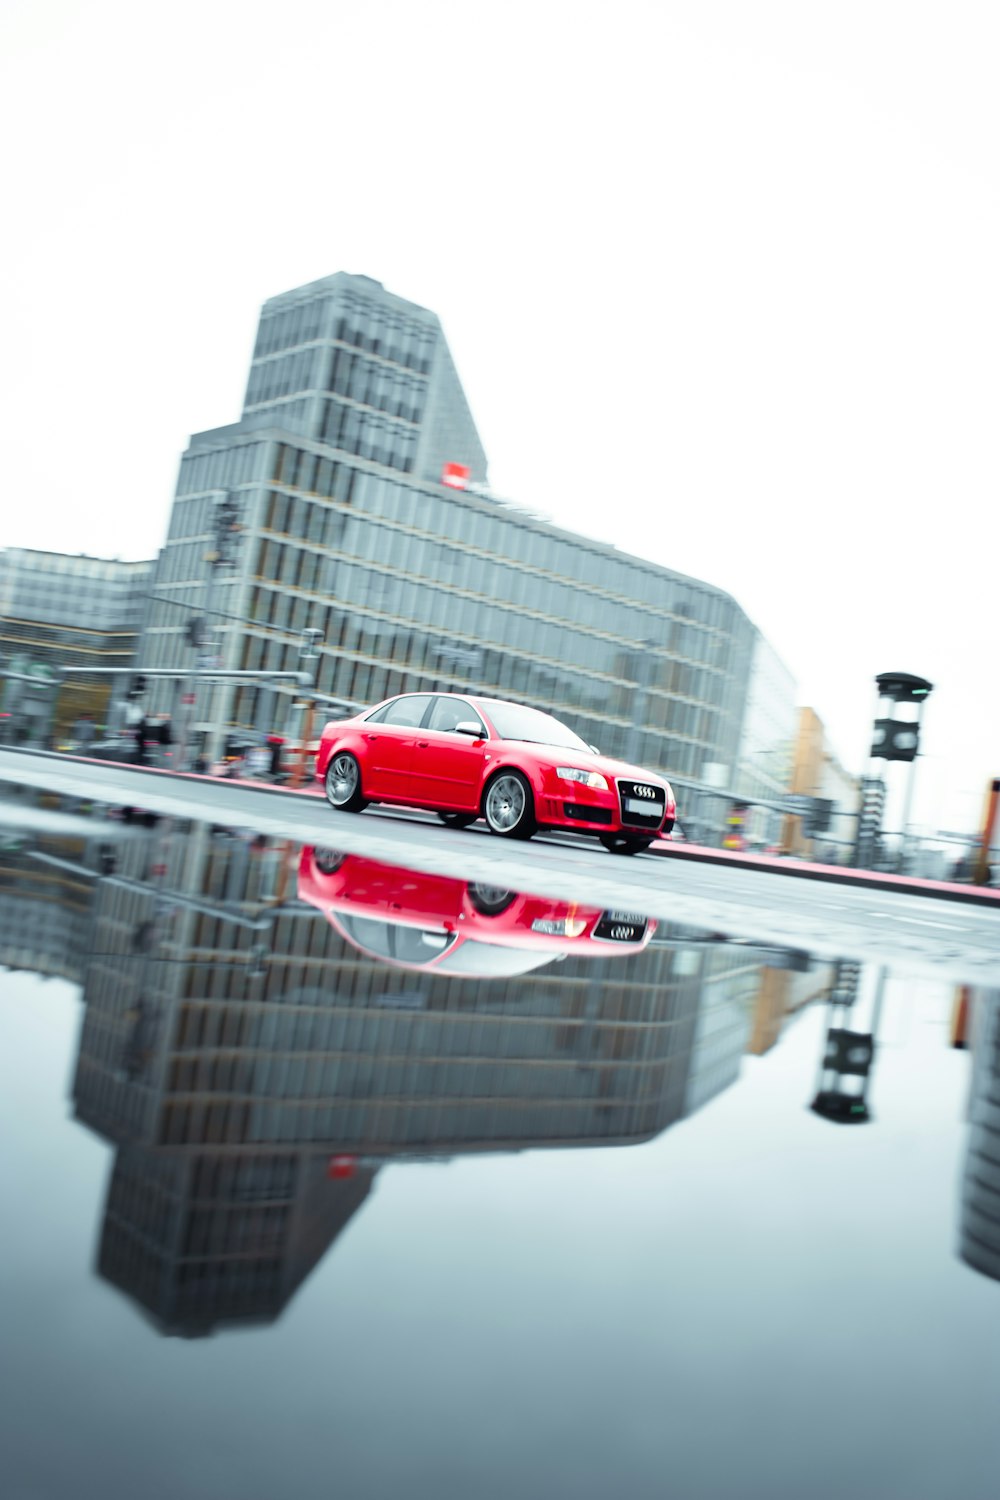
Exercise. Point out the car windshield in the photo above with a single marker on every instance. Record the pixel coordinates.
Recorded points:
(512, 722)
(406, 945)
(485, 960)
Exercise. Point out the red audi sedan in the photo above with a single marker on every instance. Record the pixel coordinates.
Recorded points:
(467, 758)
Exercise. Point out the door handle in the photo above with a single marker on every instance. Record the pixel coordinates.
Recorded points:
(371, 736)
(422, 744)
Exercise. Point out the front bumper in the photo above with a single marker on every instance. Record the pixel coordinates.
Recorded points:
(565, 804)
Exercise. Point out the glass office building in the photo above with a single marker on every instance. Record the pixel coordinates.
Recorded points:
(353, 412)
(59, 610)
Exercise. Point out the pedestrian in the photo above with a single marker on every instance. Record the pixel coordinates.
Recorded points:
(165, 737)
(141, 755)
(84, 733)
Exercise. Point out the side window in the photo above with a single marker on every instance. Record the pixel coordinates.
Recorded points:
(404, 712)
(448, 712)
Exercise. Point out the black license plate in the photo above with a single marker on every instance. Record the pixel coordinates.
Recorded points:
(621, 927)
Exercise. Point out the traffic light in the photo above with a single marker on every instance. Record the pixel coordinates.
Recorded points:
(895, 739)
(817, 819)
(195, 631)
(136, 688)
(227, 525)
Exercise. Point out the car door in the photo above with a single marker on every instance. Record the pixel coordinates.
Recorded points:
(389, 738)
(448, 767)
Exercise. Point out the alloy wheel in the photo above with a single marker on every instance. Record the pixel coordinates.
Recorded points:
(509, 806)
(342, 778)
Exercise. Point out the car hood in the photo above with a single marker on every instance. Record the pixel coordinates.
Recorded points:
(622, 768)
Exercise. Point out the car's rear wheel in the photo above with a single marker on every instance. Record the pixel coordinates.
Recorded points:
(625, 843)
(342, 783)
(509, 806)
(328, 861)
(457, 820)
(491, 900)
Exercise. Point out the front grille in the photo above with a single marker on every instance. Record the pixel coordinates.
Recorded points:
(621, 927)
(639, 809)
(580, 813)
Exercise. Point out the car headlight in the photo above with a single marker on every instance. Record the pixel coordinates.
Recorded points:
(564, 927)
(588, 778)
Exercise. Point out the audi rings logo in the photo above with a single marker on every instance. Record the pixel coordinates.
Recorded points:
(645, 791)
(623, 934)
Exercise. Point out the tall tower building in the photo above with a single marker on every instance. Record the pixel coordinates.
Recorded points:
(346, 363)
(336, 506)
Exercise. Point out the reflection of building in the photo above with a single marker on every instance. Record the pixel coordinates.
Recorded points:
(346, 528)
(979, 1234)
(230, 1056)
(63, 611)
(783, 993)
(180, 1035)
(203, 1239)
(44, 915)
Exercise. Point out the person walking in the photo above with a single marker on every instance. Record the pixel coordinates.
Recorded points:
(84, 734)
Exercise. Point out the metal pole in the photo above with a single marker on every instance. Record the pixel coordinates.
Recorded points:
(982, 866)
(908, 803)
(299, 770)
(877, 1001)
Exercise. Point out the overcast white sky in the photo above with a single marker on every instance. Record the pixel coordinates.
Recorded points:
(720, 281)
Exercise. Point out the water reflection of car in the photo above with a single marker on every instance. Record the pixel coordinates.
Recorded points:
(469, 757)
(421, 921)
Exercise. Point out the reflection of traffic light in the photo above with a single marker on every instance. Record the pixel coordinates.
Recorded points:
(136, 688)
(195, 631)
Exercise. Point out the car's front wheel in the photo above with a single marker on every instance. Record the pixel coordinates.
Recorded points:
(625, 843)
(342, 783)
(509, 806)
(490, 900)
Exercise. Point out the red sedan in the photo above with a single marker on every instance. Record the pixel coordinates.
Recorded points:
(467, 758)
(424, 921)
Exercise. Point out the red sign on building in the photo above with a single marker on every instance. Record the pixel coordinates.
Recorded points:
(456, 476)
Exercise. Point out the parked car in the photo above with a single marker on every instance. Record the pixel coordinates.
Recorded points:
(469, 757)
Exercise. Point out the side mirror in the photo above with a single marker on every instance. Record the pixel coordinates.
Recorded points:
(468, 727)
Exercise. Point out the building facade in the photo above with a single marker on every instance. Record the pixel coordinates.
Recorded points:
(816, 772)
(343, 526)
(57, 611)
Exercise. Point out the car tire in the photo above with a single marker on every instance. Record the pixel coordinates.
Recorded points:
(328, 861)
(625, 843)
(509, 805)
(342, 783)
(490, 900)
(457, 820)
